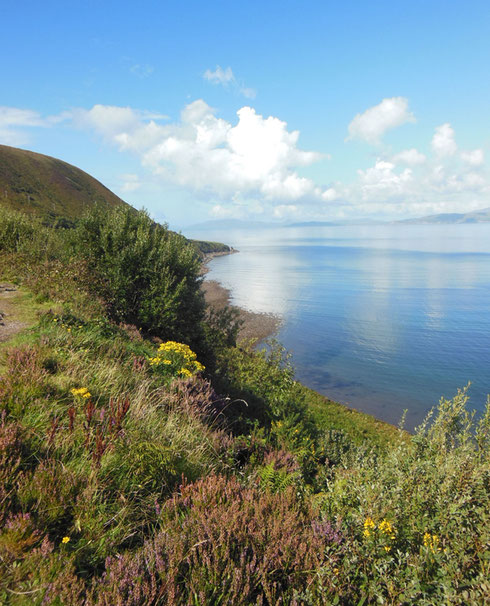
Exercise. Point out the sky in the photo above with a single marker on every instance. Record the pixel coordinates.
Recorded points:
(271, 111)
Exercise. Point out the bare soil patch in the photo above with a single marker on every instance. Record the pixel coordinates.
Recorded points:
(255, 325)
(9, 325)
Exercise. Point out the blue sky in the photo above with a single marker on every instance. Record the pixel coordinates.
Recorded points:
(264, 110)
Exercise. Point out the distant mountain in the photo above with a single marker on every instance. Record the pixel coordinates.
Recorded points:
(222, 224)
(45, 186)
(477, 216)
(313, 224)
(218, 224)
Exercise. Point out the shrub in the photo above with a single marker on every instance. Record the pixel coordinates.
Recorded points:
(150, 275)
(222, 543)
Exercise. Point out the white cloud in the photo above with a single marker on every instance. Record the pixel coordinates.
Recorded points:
(443, 142)
(130, 183)
(375, 121)
(226, 77)
(412, 157)
(257, 156)
(330, 194)
(13, 118)
(474, 157)
(381, 180)
(283, 211)
(220, 75)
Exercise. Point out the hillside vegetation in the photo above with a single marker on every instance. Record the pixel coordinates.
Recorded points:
(47, 187)
(146, 459)
(59, 193)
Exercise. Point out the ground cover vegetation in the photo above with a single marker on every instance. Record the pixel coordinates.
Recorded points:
(147, 459)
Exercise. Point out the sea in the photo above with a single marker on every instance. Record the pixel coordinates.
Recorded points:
(383, 318)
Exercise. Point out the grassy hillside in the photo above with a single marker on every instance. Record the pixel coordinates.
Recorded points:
(146, 460)
(58, 192)
(47, 187)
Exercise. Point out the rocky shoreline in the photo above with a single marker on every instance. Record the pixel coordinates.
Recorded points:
(258, 326)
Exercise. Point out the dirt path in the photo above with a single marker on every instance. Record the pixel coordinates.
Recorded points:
(9, 324)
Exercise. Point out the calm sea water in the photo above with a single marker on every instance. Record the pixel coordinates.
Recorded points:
(383, 318)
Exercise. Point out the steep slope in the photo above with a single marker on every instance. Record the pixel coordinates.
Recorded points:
(45, 186)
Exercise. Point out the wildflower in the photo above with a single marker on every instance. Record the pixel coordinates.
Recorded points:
(83, 392)
(65, 540)
(369, 523)
(387, 548)
(387, 528)
(431, 541)
(179, 354)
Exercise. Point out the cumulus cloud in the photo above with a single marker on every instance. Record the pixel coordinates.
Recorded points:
(226, 78)
(252, 165)
(411, 157)
(371, 125)
(474, 157)
(443, 142)
(129, 128)
(382, 180)
(413, 184)
(256, 156)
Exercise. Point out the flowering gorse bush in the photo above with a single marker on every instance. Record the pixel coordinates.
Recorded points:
(175, 360)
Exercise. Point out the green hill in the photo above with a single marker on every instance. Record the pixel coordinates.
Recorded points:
(48, 187)
(57, 191)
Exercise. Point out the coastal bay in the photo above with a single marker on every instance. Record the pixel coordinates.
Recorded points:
(381, 318)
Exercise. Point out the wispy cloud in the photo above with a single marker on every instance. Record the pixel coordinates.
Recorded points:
(142, 70)
(129, 183)
(226, 78)
(14, 121)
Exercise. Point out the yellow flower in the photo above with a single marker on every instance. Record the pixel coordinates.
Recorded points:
(387, 528)
(367, 532)
(83, 392)
(431, 541)
(369, 523)
(65, 540)
(387, 548)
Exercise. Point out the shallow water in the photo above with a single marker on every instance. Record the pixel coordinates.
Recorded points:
(383, 318)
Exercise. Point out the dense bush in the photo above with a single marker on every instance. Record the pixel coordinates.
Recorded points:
(150, 275)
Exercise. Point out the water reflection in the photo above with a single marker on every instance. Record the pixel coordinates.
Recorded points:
(382, 318)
